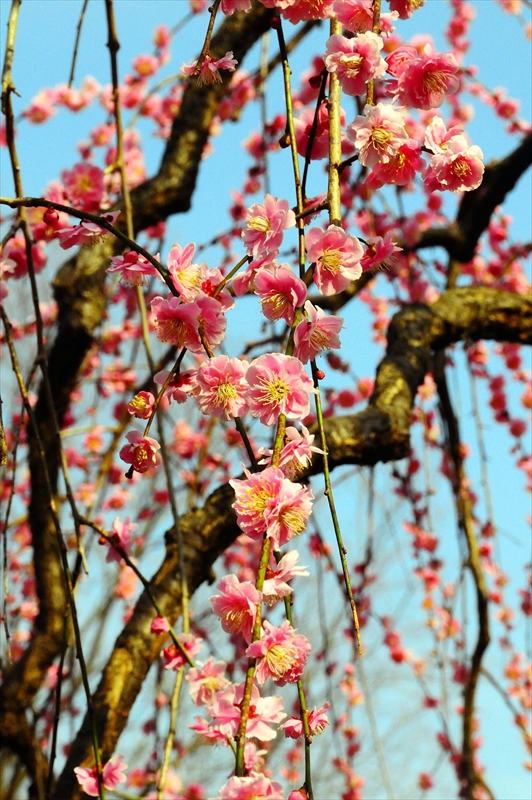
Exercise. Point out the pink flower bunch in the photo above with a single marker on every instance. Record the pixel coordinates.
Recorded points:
(278, 574)
(86, 232)
(455, 165)
(268, 503)
(180, 385)
(112, 776)
(186, 276)
(141, 452)
(133, 268)
(206, 680)
(253, 787)
(381, 252)
(357, 16)
(281, 654)
(316, 333)
(422, 80)
(317, 722)
(236, 605)
(303, 125)
(173, 658)
(265, 225)
(355, 61)
(378, 133)
(278, 384)
(121, 535)
(221, 387)
(280, 291)
(177, 322)
(209, 69)
(400, 169)
(142, 405)
(84, 186)
(225, 711)
(296, 454)
(336, 256)
(245, 281)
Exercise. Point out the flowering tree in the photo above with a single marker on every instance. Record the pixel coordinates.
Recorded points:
(172, 427)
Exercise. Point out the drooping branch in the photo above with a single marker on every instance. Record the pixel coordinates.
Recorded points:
(379, 433)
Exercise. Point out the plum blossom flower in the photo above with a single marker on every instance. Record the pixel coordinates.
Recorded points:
(316, 333)
(336, 255)
(86, 232)
(142, 405)
(209, 69)
(355, 61)
(405, 8)
(186, 276)
(381, 251)
(378, 133)
(357, 16)
(141, 452)
(84, 186)
(278, 574)
(159, 625)
(7, 269)
(173, 657)
(180, 385)
(112, 775)
(278, 384)
(245, 281)
(317, 722)
(121, 535)
(177, 322)
(211, 320)
(133, 268)
(424, 81)
(264, 711)
(253, 787)
(236, 606)
(230, 6)
(303, 126)
(269, 503)
(221, 386)
(454, 165)
(206, 680)
(296, 454)
(281, 292)
(265, 225)
(401, 167)
(281, 654)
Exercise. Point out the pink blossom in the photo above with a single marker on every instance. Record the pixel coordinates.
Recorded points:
(264, 711)
(146, 65)
(230, 6)
(456, 170)
(205, 681)
(177, 322)
(141, 452)
(245, 281)
(142, 405)
(378, 133)
(211, 320)
(401, 167)
(287, 515)
(438, 139)
(355, 61)
(180, 385)
(14, 256)
(405, 8)
(279, 573)
(281, 654)
(254, 787)
(86, 232)
(111, 776)
(186, 276)
(381, 252)
(7, 269)
(173, 657)
(336, 255)
(303, 126)
(159, 625)
(253, 496)
(84, 186)
(265, 225)
(296, 454)
(281, 292)
(425, 81)
(302, 10)
(317, 722)
(120, 535)
(221, 386)
(316, 333)
(236, 606)
(357, 16)
(209, 70)
(278, 384)
(133, 268)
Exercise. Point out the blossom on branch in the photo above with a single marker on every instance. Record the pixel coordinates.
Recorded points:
(112, 775)
(317, 722)
(336, 256)
(225, 711)
(278, 384)
(265, 225)
(378, 133)
(281, 654)
(316, 333)
(86, 232)
(236, 606)
(209, 69)
(221, 387)
(253, 787)
(141, 452)
(177, 322)
(133, 268)
(280, 291)
(355, 61)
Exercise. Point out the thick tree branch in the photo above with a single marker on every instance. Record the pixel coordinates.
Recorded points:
(379, 433)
